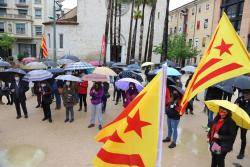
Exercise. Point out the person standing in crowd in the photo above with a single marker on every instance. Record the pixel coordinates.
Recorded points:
(105, 96)
(7, 93)
(1, 92)
(244, 103)
(82, 94)
(55, 91)
(46, 97)
(190, 106)
(37, 91)
(221, 137)
(96, 94)
(173, 118)
(69, 97)
(146, 72)
(212, 93)
(18, 89)
(130, 94)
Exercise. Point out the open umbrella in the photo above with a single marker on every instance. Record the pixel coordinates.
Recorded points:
(78, 66)
(104, 71)
(130, 74)
(71, 57)
(123, 84)
(6, 77)
(37, 75)
(64, 61)
(96, 63)
(28, 60)
(117, 69)
(56, 70)
(4, 64)
(68, 78)
(170, 72)
(34, 66)
(240, 116)
(95, 78)
(109, 64)
(242, 82)
(15, 71)
(190, 69)
(119, 64)
(147, 64)
(170, 63)
(50, 63)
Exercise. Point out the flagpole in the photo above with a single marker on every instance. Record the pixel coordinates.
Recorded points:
(161, 113)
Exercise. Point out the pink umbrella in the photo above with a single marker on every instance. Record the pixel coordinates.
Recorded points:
(29, 60)
(95, 78)
(95, 63)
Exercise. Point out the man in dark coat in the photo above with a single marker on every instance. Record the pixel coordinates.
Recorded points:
(18, 89)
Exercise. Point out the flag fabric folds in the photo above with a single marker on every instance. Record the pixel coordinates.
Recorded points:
(44, 50)
(134, 138)
(226, 57)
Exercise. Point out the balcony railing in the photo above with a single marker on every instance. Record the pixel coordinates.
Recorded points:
(15, 16)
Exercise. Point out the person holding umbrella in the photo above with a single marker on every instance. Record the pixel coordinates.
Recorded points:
(82, 93)
(130, 94)
(105, 96)
(244, 103)
(69, 100)
(96, 93)
(221, 137)
(18, 88)
(46, 92)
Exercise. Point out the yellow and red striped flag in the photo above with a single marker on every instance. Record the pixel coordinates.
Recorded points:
(134, 138)
(226, 57)
(44, 50)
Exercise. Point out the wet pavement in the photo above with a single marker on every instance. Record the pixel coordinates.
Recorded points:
(33, 143)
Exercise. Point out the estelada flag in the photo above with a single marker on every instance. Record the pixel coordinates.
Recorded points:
(44, 49)
(226, 57)
(134, 138)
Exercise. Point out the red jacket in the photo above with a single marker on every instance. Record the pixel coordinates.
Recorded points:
(83, 87)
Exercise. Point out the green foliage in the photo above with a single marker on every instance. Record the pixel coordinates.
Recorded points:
(138, 14)
(177, 48)
(20, 56)
(6, 41)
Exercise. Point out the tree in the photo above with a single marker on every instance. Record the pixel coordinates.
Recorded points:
(178, 48)
(6, 43)
(165, 34)
(142, 29)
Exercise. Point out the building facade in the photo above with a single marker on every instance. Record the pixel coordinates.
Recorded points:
(23, 20)
(84, 37)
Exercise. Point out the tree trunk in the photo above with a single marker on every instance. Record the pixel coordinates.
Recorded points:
(120, 23)
(141, 30)
(115, 30)
(130, 32)
(107, 30)
(111, 28)
(134, 37)
(165, 35)
(151, 38)
(147, 39)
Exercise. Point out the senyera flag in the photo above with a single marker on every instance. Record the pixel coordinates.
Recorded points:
(44, 50)
(226, 57)
(134, 138)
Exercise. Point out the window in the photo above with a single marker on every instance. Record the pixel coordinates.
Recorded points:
(190, 42)
(22, 12)
(180, 29)
(39, 30)
(61, 40)
(22, 1)
(205, 23)
(198, 25)
(37, 1)
(175, 30)
(10, 27)
(1, 27)
(20, 28)
(193, 11)
(207, 6)
(27, 49)
(199, 10)
(38, 12)
(49, 40)
(2, 11)
(196, 42)
(203, 41)
(171, 31)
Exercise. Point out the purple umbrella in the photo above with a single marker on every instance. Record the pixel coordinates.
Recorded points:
(123, 84)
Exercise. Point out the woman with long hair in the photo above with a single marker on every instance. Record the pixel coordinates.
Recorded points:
(130, 94)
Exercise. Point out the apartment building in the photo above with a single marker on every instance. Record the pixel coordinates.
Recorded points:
(23, 20)
(195, 21)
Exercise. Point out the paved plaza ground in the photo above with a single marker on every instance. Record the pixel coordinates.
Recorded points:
(33, 143)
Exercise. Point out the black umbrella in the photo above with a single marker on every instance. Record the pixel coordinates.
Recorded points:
(178, 89)
(71, 57)
(226, 86)
(15, 71)
(130, 74)
(242, 82)
(117, 69)
(6, 77)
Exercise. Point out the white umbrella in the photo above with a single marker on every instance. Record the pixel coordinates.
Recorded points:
(34, 66)
(189, 69)
(104, 71)
(68, 78)
(65, 61)
(37, 75)
(78, 66)
(124, 84)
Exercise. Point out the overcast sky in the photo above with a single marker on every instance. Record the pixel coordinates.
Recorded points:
(173, 3)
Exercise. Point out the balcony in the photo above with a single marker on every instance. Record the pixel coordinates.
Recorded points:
(16, 17)
(22, 4)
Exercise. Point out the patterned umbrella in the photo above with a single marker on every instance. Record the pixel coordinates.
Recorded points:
(37, 75)
(123, 84)
(64, 61)
(15, 71)
(130, 74)
(34, 66)
(71, 57)
(78, 66)
(68, 78)
(4, 64)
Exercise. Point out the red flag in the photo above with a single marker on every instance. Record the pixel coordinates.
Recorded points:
(103, 46)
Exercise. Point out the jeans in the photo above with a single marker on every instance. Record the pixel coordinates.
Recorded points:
(218, 160)
(96, 109)
(58, 100)
(69, 112)
(210, 115)
(172, 128)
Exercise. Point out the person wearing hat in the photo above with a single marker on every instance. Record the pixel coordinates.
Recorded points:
(18, 89)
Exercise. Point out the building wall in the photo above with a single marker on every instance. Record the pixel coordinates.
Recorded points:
(85, 38)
